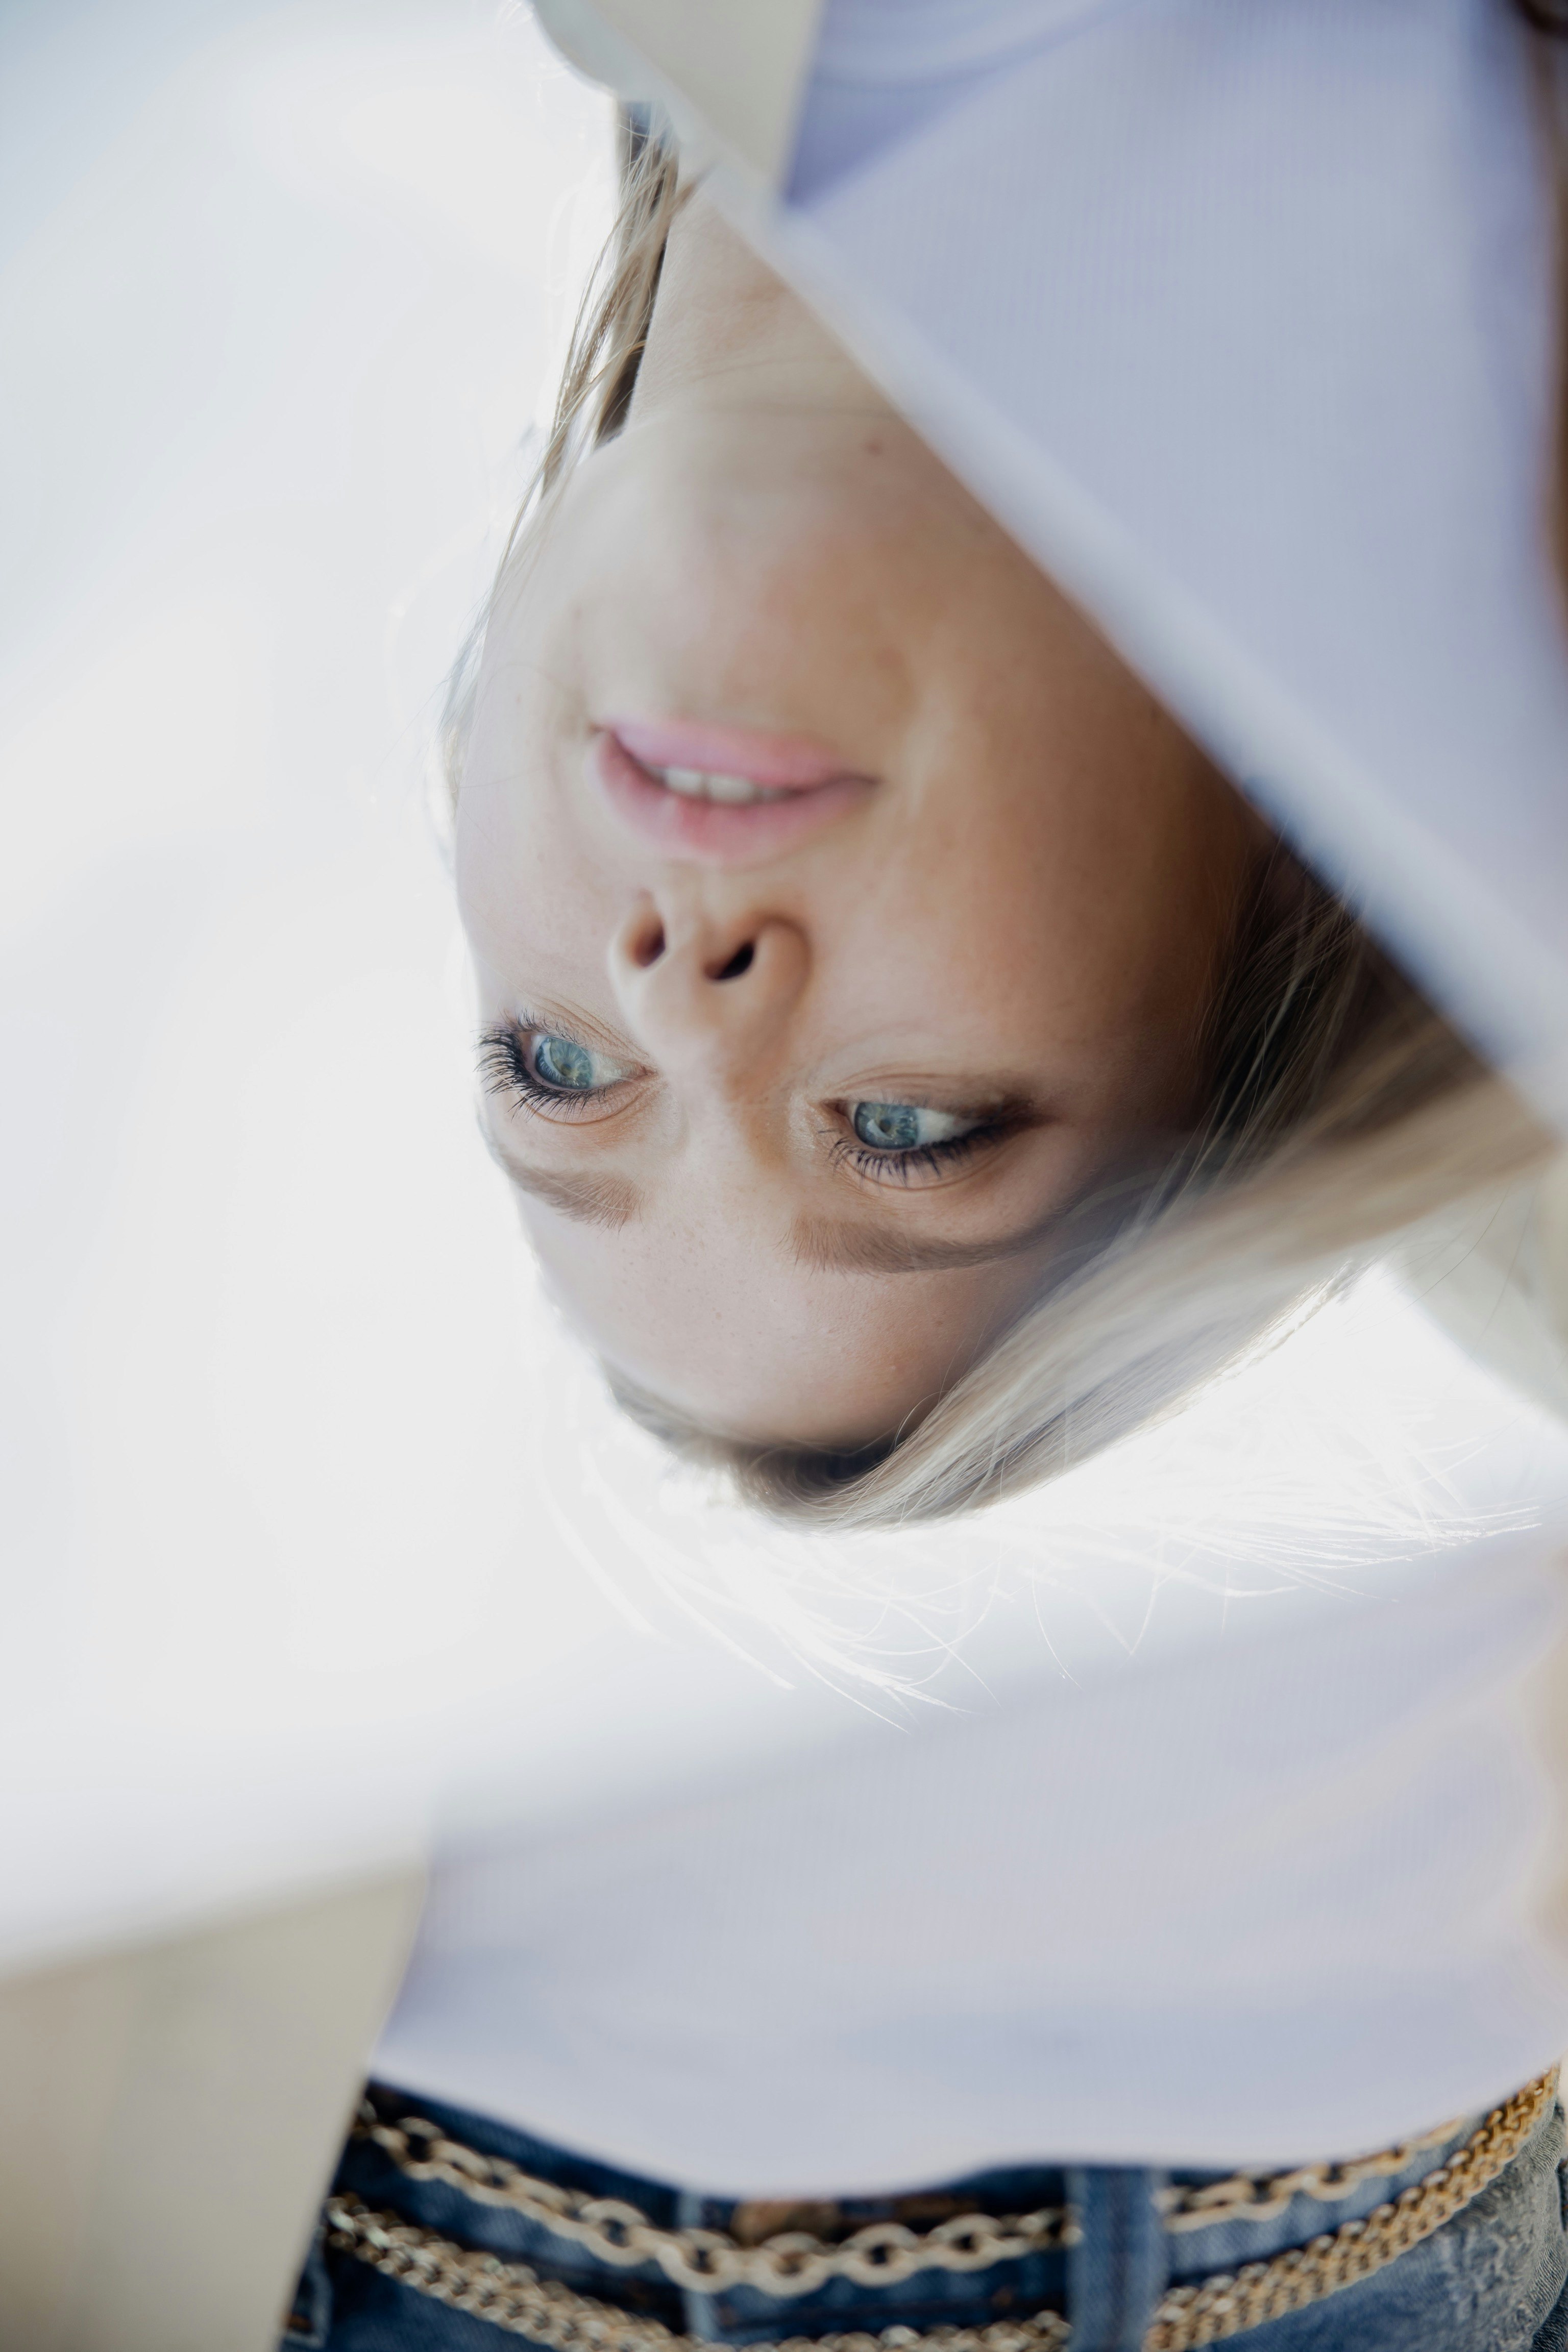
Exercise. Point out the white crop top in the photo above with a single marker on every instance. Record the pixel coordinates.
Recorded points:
(1234, 1835)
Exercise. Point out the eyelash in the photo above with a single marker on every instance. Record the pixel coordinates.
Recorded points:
(896, 1167)
(503, 1069)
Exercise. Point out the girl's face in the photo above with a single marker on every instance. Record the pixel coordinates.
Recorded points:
(842, 909)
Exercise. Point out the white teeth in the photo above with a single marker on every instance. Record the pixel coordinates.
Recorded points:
(696, 784)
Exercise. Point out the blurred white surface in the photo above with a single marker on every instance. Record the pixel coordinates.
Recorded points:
(282, 287)
(313, 1522)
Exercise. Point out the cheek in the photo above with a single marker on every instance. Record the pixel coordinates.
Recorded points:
(1088, 986)
(526, 883)
(963, 938)
(1095, 927)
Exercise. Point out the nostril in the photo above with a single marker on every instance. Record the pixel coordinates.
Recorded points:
(740, 962)
(646, 944)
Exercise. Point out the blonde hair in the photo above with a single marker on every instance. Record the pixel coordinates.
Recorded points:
(1344, 1113)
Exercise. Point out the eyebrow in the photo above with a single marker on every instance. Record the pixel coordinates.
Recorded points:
(817, 1242)
(884, 1249)
(588, 1200)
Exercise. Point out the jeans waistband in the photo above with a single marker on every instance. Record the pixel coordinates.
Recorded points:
(572, 2253)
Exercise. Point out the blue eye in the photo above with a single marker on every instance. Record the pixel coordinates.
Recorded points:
(905, 1127)
(561, 1064)
(543, 1071)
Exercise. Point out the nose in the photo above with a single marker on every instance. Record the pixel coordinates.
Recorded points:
(699, 990)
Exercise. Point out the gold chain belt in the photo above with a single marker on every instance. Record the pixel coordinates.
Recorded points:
(512, 2296)
(1229, 2302)
(884, 2253)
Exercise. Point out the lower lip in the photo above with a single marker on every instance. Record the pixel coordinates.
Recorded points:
(719, 833)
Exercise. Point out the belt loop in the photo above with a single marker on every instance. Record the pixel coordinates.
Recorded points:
(1118, 2269)
(309, 2321)
(693, 2211)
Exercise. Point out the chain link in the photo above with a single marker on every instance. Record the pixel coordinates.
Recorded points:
(884, 2253)
(1264, 2196)
(1231, 2302)
(514, 2298)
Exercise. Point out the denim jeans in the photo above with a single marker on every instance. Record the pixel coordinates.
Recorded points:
(1492, 2278)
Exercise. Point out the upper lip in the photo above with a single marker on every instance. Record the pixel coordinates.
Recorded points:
(805, 786)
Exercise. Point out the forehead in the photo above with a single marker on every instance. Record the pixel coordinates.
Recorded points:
(729, 1324)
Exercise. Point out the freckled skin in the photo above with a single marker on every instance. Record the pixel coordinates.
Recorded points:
(1029, 903)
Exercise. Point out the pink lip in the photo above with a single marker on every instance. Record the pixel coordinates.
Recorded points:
(718, 833)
